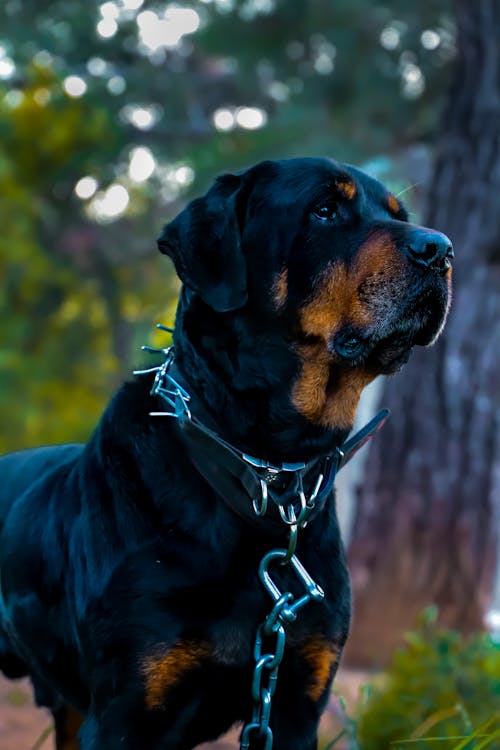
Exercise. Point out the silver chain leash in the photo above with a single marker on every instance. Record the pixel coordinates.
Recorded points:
(284, 611)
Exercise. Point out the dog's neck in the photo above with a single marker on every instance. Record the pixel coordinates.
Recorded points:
(242, 383)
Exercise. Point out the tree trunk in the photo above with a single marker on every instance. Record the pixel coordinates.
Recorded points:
(425, 526)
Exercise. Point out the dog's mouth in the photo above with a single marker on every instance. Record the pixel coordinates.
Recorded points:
(386, 346)
(382, 355)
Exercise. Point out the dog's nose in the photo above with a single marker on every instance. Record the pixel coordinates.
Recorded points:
(430, 249)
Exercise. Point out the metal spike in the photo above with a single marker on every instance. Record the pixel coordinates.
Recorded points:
(145, 372)
(178, 388)
(153, 349)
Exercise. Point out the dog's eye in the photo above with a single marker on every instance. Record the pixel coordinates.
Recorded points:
(326, 211)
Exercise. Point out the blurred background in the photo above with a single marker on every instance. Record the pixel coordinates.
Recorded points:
(114, 114)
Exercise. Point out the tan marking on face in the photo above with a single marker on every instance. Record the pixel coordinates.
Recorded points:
(393, 203)
(166, 667)
(280, 289)
(343, 397)
(309, 391)
(347, 188)
(320, 657)
(377, 253)
(334, 302)
(327, 392)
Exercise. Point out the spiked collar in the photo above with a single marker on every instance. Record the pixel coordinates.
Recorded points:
(269, 497)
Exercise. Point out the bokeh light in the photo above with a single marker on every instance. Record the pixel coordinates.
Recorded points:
(142, 164)
(184, 175)
(223, 119)
(109, 204)
(74, 86)
(42, 96)
(86, 187)
(141, 117)
(430, 39)
(7, 65)
(251, 118)
(156, 32)
(390, 37)
(116, 85)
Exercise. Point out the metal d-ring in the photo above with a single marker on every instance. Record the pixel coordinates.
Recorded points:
(260, 508)
(314, 494)
(287, 513)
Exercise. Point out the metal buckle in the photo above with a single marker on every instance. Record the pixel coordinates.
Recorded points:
(259, 463)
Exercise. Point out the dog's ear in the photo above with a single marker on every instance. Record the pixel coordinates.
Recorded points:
(205, 244)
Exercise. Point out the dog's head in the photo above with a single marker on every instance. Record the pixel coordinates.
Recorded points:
(322, 255)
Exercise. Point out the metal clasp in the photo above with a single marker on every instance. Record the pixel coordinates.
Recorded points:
(313, 591)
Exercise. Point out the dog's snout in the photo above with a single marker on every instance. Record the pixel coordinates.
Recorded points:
(432, 250)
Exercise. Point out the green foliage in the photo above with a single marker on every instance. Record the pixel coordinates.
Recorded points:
(68, 301)
(442, 690)
(347, 737)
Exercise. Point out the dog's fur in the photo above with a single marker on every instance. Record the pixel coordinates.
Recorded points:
(129, 590)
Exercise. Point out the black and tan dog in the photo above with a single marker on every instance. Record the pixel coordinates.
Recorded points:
(129, 586)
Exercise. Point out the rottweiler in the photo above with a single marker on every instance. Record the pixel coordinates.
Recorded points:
(132, 579)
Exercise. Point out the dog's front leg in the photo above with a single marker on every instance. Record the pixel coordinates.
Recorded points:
(301, 697)
(108, 731)
(295, 728)
(127, 724)
(294, 722)
(67, 722)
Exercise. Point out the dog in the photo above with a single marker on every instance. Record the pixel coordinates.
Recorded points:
(131, 592)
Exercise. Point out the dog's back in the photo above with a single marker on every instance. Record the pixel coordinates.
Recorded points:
(24, 469)
(20, 472)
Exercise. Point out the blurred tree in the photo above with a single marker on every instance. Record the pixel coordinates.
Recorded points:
(112, 112)
(425, 530)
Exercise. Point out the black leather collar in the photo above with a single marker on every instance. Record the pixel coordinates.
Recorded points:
(259, 492)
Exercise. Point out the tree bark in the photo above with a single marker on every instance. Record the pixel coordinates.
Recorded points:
(427, 511)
